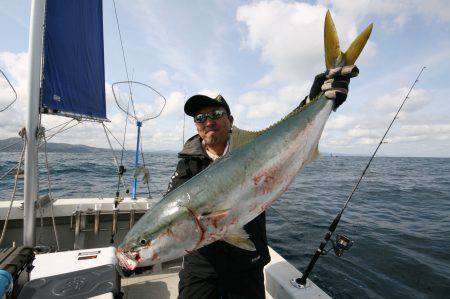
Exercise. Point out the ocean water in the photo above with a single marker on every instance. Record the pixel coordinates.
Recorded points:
(399, 219)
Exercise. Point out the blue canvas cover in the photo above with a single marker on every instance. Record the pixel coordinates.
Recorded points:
(73, 81)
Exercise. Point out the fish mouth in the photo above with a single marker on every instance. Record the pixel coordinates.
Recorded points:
(127, 260)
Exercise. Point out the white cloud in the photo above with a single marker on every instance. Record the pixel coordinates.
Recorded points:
(161, 77)
(7, 95)
(341, 122)
(175, 104)
(274, 26)
(414, 133)
(290, 37)
(435, 8)
(394, 14)
(272, 106)
(15, 67)
(390, 102)
(209, 92)
(88, 133)
(260, 105)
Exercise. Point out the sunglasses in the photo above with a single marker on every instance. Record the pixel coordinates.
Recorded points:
(201, 118)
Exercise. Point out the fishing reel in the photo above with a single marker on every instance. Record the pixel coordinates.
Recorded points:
(341, 244)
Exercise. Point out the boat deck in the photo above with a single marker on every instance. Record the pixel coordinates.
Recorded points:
(161, 285)
(164, 284)
(77, 229)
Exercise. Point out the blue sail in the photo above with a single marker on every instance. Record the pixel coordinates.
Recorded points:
(73, 79)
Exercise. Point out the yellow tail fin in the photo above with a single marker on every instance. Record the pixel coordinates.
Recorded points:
(333, 55)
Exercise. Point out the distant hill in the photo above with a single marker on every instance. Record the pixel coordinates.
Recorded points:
(51, 147)
(67, 148)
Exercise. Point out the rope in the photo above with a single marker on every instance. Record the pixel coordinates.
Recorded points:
(143, 163)
(12, 87)
(50, 191)
(14, 190)
(114, 154)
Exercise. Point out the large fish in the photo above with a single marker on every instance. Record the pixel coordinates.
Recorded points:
(219, 201)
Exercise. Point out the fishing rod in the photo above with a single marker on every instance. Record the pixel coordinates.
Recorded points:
(342, 242)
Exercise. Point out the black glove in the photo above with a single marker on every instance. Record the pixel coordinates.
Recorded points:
(334, 83)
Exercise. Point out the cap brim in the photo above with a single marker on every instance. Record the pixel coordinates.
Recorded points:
(195, 103)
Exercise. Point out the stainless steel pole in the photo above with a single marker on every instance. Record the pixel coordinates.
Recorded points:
(35, 44)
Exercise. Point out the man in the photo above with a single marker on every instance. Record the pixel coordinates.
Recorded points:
(220, 270)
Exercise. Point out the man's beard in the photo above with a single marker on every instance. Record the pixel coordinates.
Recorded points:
(213, 140)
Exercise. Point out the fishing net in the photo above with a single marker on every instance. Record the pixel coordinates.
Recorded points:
(8, 94)
(138, 100)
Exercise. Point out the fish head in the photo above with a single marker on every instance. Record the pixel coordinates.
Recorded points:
(157, 242)
(138, 250)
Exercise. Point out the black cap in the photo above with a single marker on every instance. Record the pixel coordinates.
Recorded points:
(194, 103)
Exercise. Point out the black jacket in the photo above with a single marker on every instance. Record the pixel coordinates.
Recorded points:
(218, 259)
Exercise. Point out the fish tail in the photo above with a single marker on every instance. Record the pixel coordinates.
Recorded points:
(334, 57)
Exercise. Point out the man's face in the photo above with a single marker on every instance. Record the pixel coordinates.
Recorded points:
(214, 131)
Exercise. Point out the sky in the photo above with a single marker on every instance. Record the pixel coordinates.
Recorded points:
(261, 56)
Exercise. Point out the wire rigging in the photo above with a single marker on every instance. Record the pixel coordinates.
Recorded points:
(61, 124)
(11, 145)
(117, 140)
(63, 129)
(139, 122)
(121, 167)
(123, 56)
(114, 154)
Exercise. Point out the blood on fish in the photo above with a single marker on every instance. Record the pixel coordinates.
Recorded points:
(155, 256)
(199, 225)
(266, 181)
(138, 258)
(216, 218)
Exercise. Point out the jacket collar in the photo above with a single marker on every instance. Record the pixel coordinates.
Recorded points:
(193, 148)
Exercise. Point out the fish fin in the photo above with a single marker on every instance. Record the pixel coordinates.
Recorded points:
(216, 215)
(315, 153)
(219, 215)
(357, 46)
(241, 137)
(333, 52)
(239, 238)
(333, 55)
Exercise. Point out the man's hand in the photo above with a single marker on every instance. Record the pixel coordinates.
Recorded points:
(334, 83)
